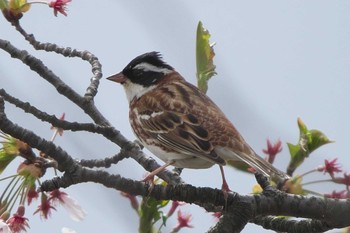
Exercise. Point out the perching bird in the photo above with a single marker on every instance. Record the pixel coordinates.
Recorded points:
(178, 123)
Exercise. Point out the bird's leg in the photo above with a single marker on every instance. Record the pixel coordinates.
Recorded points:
(149, 177)
(160, 169)
(225, 189)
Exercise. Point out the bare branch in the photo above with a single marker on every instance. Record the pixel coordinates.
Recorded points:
(106, 162)
(37, 65)
(96, 66)
(232, 222)
(292, 226)
(242, 208)
(65, 162)
(43, 116)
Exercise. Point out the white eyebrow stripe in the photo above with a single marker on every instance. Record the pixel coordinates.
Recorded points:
(149, 67)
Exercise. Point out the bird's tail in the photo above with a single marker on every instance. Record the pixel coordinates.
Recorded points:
(264, 167)
(248, 156)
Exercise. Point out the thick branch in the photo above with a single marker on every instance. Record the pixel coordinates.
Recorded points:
(292, 226)
(327, 213)
(232, 222)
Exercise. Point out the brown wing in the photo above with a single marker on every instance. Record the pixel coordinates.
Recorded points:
(183, 119)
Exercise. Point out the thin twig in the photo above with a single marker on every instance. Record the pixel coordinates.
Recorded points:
(52, 119)
(96, 66)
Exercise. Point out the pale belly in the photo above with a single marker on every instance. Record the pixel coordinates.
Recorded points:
(181, 160)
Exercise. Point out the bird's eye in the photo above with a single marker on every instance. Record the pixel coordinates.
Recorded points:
(137, 72)
(144, 74)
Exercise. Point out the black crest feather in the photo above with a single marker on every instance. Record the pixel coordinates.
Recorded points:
(146, 77)
(153, 58)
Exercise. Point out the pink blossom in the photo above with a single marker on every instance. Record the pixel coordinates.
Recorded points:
(58, 131)
(346, 179)
(183, 220)
(217, 215)
(74, 209)
(45, 207)
(330, 167)
(343, 180)
(272, 150)
(336, 195)
(17, 223)
(59, 6)
(32, 194)
(132, 198)
(173, 207)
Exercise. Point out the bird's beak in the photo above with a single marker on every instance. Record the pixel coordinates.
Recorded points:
(119, 78)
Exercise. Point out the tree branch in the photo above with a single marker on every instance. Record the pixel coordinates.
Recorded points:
(241, 208)
(96, 66)
(37, 65)
(281, 224)
(53, 120)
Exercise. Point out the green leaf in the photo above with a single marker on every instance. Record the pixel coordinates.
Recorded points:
(164, 219)
(5, 159)
(297, 157)
(309, 141)
(19, 6)
(293, 150)
(204, 58)
(11, 145)
(150, 213)
(317, 139)
(3, 4)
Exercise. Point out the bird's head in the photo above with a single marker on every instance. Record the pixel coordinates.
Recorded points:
(142, 74)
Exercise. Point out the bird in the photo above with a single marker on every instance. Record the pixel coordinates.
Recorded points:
(180, 124)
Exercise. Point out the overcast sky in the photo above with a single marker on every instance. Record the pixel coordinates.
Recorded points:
(276, 61)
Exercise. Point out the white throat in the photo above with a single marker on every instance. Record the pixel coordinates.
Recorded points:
(134, 90)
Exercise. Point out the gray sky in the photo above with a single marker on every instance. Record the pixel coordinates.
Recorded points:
(276, 61)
